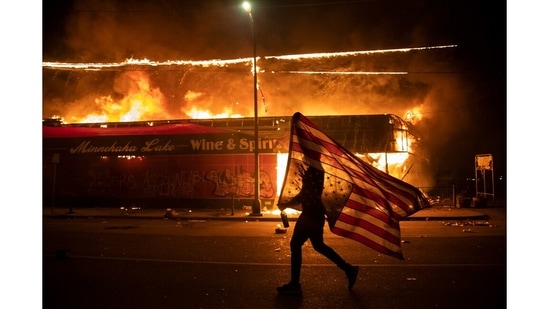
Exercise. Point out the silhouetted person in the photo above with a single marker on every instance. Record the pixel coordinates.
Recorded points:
(310, 225)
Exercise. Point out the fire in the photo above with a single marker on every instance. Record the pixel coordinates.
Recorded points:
(197, 113)
(221, 63)
(413, 116)
(355, 53)
(402, 142)
(141, 62)
(128, 109)
(393, 162)
(394, 159)
(144, 102)
(388, 161)
(141, 101)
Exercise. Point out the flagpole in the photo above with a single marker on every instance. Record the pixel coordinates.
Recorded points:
(256, 204)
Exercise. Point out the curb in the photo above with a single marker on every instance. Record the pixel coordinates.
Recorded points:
(438, 213)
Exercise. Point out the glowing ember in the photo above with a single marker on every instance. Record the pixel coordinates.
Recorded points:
(143, 62)
(355, 53)
(343, 73)
(220, 63)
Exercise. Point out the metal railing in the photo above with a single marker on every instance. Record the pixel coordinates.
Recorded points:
(440, 196)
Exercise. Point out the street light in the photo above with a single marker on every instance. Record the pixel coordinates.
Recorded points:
(256, 204)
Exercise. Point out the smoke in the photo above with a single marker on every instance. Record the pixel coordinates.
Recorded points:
(112, 31)
(437, 96)
(439, 90)
(283, 90)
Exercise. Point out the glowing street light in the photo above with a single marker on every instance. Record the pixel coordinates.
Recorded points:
(256, 205)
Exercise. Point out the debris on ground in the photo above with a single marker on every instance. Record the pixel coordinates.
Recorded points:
(280, 230)
(468, 222)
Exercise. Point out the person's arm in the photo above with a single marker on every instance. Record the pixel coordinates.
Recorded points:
(294, 201)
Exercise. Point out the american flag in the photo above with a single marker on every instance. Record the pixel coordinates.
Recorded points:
(361, 202)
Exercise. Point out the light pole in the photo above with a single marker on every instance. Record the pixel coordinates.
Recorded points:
(256, 204)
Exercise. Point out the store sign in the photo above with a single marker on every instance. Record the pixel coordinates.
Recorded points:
(484, 162)
(162, 144)
(231, 145)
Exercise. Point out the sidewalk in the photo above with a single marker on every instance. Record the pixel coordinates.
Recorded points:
(431, 213)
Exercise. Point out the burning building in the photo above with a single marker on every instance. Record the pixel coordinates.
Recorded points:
(353, 98)
(204, 163)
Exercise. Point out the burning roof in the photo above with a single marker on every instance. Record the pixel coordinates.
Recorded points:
(163, 129)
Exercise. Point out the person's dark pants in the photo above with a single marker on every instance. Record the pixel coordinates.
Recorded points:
(311, 227)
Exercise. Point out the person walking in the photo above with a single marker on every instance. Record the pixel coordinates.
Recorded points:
(310, 225)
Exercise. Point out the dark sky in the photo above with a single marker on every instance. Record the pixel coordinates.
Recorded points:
(461, 91)
(86, 30)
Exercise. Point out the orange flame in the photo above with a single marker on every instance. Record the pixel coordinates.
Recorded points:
(413, 116)
(197, 113)
(141, 101)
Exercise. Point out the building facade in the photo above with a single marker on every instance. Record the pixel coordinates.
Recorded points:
(202, 163)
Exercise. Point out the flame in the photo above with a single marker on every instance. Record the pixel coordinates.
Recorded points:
(223, 63)
(144, 102)
(413, 116)
(393, 161)
(142, 62)
(402, 142)
(197, 113)
(141, 101)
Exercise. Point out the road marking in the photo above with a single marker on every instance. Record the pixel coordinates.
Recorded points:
(274, 264)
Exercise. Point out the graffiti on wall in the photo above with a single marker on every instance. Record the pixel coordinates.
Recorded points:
(179, 184)
(240, 183)
(103, 183)
(227, 182)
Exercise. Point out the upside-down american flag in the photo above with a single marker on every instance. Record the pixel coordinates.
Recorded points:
(361, 202)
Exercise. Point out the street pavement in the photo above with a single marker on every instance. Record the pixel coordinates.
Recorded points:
(122, 269)
(245, 213)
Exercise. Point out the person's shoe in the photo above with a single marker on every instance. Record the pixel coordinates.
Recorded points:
(290, 289)
(352, 274)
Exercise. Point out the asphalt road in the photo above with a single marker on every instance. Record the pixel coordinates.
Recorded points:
(133, 263)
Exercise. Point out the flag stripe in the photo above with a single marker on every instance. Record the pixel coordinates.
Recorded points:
(371, 190)
(363, 203)
(357, 223)
(399, 201)
(316, 136)
(381, 247)
(366, 233)
(309, 134)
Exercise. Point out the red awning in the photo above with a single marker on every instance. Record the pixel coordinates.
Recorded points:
(164, 129)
